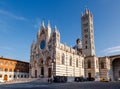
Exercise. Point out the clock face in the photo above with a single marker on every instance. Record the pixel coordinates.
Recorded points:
(42, 44)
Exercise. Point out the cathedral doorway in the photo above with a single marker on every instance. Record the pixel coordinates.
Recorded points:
(49, 72)
(116, 69)
(42, 71)
(35, 73)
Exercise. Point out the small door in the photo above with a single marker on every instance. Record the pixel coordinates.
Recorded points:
(49, 72)
(89, 76)
(42, 71)
(5, 77)
(35, 73)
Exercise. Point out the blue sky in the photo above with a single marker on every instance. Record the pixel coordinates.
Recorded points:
(20, 21)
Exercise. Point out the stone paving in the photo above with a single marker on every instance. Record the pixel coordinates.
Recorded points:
(72, 85)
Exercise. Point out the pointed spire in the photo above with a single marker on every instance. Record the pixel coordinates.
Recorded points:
(55, 28)
(48, 23)
(42, 24)
(39, 32)
(33, 43)
(86, 8)
(86, 11)
(81, 14)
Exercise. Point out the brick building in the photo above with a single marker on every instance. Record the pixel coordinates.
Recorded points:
(11, 69)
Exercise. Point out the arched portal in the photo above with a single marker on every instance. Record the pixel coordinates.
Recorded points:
(48, 61)
(116, 68)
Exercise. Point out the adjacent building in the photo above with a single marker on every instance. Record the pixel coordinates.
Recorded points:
(11, 69)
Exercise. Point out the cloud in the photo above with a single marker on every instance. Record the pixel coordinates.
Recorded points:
(37, 23)
(112, 50)
(12, 15)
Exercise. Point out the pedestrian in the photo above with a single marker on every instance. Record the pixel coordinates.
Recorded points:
(48, 80)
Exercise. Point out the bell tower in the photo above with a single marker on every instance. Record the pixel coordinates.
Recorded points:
(87, 33)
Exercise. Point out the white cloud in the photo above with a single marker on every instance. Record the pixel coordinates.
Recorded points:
(37, 23)
(112, 50)
(12, 15)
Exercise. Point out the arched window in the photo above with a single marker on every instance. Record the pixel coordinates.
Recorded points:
(0, 75)
(70, 61)
(89, 63)
(21, 76)
(76, 62)
(6, 69)
(63, 59)
(102, 65)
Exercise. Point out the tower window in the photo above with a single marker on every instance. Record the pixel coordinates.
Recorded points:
(85, 25)
(86, 36)
(102, 65)
(86, 47)
(86, 30)
(89, 63)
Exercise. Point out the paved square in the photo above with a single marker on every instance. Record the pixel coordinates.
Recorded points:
(72, 85)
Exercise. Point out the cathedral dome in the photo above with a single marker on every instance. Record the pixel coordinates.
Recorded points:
(78, 44)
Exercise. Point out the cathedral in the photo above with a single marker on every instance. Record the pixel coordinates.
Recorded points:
(49, 58)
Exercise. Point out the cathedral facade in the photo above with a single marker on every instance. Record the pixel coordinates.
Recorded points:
(50, 58)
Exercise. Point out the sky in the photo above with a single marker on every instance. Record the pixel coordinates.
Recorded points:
(21, 19)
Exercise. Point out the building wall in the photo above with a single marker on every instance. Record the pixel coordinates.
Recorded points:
(13, 69)
(67, 69)
(91, 66)
(104, 67)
